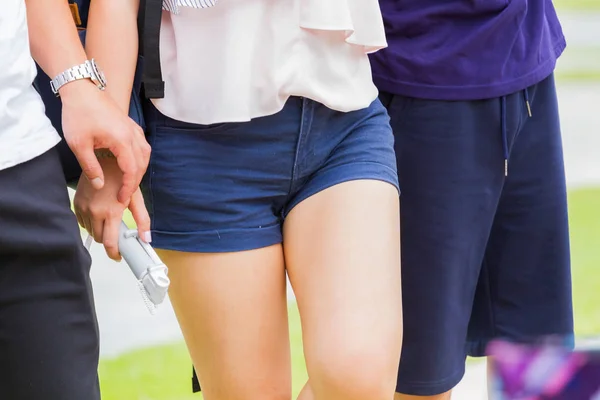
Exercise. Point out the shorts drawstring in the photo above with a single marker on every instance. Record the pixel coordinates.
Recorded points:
(503, 125)
(526, 95)
(504, 135)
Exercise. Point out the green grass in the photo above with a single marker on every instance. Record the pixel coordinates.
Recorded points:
(579, 64)
(578, 5)
(585, 67)
(164, 372)
(585, 245)
(578, 76)
(128, 218)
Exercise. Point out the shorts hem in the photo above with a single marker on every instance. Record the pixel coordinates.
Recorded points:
(340, 174)
(474, 92)
(430, 388)
(243, 239)
(479, 348)
(218, 241)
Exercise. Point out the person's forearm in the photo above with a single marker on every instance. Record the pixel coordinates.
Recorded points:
(53, 37)
(112, 40)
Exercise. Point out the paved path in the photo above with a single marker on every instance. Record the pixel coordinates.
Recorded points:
(581, 28)
(124, 321)
(580, 119)
(583, 42)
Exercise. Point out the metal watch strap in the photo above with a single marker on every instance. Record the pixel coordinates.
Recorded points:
(82, 71)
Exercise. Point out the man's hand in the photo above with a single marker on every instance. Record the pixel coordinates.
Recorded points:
(92, 120)
(99, 212)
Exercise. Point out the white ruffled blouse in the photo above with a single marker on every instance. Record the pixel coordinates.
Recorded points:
(234, 60)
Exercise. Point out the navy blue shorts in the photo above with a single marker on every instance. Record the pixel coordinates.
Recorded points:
(484, 255)
(228, 187)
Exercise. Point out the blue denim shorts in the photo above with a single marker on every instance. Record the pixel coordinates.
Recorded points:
(228, 187)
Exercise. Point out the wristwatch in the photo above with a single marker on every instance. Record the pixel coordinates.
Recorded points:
(87, 70)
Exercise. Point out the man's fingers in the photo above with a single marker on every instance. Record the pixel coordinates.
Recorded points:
(143, 153)
(141, 216)
(141, 149)
(130, 182)
(90, 166)
(128, 165)
(97, 229)
(141, 137)
(111, 237)
(138, 130)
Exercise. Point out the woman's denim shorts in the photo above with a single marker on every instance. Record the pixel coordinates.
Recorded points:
(228, 187)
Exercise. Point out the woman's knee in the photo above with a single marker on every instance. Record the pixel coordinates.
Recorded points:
(234, 321)
(362, 373)
(250, 390)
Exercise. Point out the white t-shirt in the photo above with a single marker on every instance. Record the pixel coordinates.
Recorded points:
(241, 59)
(25, 131)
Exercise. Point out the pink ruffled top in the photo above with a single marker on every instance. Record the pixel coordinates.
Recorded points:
(242, 59)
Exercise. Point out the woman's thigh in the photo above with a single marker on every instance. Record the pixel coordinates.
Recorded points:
(233, 314)
(342, 252)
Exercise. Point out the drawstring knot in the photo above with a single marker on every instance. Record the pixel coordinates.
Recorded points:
(503, 125)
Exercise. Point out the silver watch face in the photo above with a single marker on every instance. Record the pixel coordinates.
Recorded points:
(99, 74)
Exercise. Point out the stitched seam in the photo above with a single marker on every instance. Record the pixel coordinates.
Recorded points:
(303, 125)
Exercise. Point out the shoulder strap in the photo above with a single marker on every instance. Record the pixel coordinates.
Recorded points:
(149, 27)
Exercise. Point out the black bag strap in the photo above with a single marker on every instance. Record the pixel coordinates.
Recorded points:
(195, 383)
(149, 18)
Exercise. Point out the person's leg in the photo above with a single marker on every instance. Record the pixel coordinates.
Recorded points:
(233, 314)
(48, 329)
(341, 245)
(343, 259)
(450, 168)
(213, 194)
(524, 294)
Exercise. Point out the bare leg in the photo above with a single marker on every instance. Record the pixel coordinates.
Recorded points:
(306, 393)
(343, 259)
(233, 313)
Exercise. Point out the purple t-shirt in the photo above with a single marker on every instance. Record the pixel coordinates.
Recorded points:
(466, 49)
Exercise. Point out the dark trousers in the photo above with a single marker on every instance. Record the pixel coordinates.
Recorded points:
(49, 344)
(485, 251)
